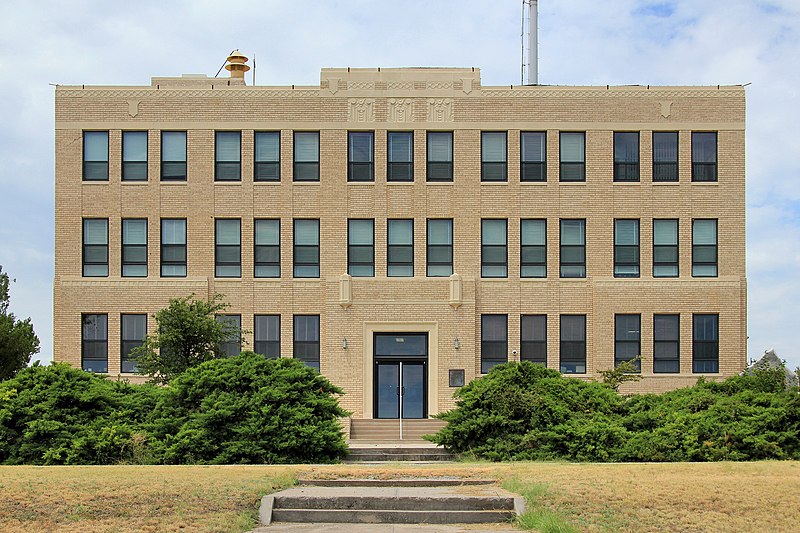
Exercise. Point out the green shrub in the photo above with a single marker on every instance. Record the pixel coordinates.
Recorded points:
(248, 409)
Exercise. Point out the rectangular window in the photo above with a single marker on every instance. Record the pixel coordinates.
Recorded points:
(173, 247)
(306, 156)
(573, 248)
(267, 156)
(494, 341)
(533, 338)
(173, 156)
(306, 339)
(267, 248)
(306, 248)
(232, 346)
(573, 155)
(533, 156)
(704, 156)
(267, 339)
(95, 155)
(401, 156)
(360, 156)
(228, 248)
(533, 248)
(134, 247)
(665, 156)
(494, 156)
(665, 248)
(134, 330)
(666, 344)
(94, 343)
(626, 156)
(494, 248)
(361, 247)
(134, 156)
(705, 345)
(440, 156)
(440, 247)
(228, 156)
(573, 344)
(95, 247)
(400, 248)
(626, 248)
(627, 339)
(704, 248)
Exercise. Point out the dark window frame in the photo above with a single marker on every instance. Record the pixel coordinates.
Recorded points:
(174, 246)
(86, 343)
(490, 348)
(627, 171)
(128, 167)
(429, 247)
(299, 247)
(488, 168)
(260, 167)
(705, 171)
(256, 247)
(570, 346)
(701, 362)
(128, 363)
(306, 344)
(222, 168)
(667, 170)
(533, 349)
(532, 171)
(392, 247)
(572, 166)
(393, 168)
(487, 248)
(311, 166)
(85, 250)
(91, 166)
(265, 346)
(178, 167)
(530, 247)
(562, 247)
(621, 249)
(670, 365)
(436, 167)
(620, 344)
(232, 346)
(696, 248)
(355, 169)
(127, 248)
(220, 249)
(657, 248)
(352, 248)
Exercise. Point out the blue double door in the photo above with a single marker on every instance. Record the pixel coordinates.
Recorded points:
(401, 375)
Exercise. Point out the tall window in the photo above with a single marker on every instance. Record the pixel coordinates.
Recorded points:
(533, 248)
(573, 344)
(401, 156)
(268, 336)
(95, 247)
(665, 156)
(494, 156)
(228, 156)
(626, 248)
(704, 156)
(665, 248)
(232, 345)
(440, 156)
(533, 156)
(400, 248)
(494, 341)
(306, 156)
(573, 155)
(228, 248)
(134, 330)
(267, 156)
(705, 345)
(573, 248)
(361, 247)
(134, 156)
(494, 248)
(360, 156)
(306, 339)
(627, 339)
(440, 247)
(134, 247)
(95, 155)
(704, 248)
(94, 343)
(173, 247)
(267, 248)
(533, 338)
(173, 155)
(666, 343)
(306, 248)
(626, 156)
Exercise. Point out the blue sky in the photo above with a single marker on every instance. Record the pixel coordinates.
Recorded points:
(582, 42)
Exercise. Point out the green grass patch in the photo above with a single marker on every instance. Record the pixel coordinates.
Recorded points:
(538, 516)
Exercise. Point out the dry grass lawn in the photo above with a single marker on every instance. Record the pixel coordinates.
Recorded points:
(762, 496)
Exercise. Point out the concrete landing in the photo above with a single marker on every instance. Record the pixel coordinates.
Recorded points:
(382, 528)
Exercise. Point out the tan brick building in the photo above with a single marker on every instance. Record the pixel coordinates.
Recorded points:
(408, 216)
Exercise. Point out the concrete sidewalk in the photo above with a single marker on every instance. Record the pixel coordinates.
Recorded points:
(382, 528)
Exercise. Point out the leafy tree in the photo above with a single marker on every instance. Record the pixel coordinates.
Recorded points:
(18, 342)
(624, 372)
(188, 334)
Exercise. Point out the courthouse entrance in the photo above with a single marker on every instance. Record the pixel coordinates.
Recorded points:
(401, 375)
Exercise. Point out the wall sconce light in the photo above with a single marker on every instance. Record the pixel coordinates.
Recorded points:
(456, 343)
(344, 343)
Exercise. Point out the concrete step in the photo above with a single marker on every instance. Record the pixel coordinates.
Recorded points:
(381, 429)
(397, 482)
(409, 503)
(389, 452)
(390, 516)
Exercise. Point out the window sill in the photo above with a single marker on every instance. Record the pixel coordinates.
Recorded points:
(361, 183)
(440, 183)
(223, 280)
(494, 183)
(624, 183)
(493, 279)
(267, 182)
(666, 183)
(134, 183)
(174, 183)
(306, 183)
(705, 183)
(574, 280)
(399, 183)
(537, 183)
(573, 183)
(538, 280)
(95, 182)
(227, 183)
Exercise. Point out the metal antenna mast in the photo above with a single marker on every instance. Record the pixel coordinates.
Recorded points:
(530, 54)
